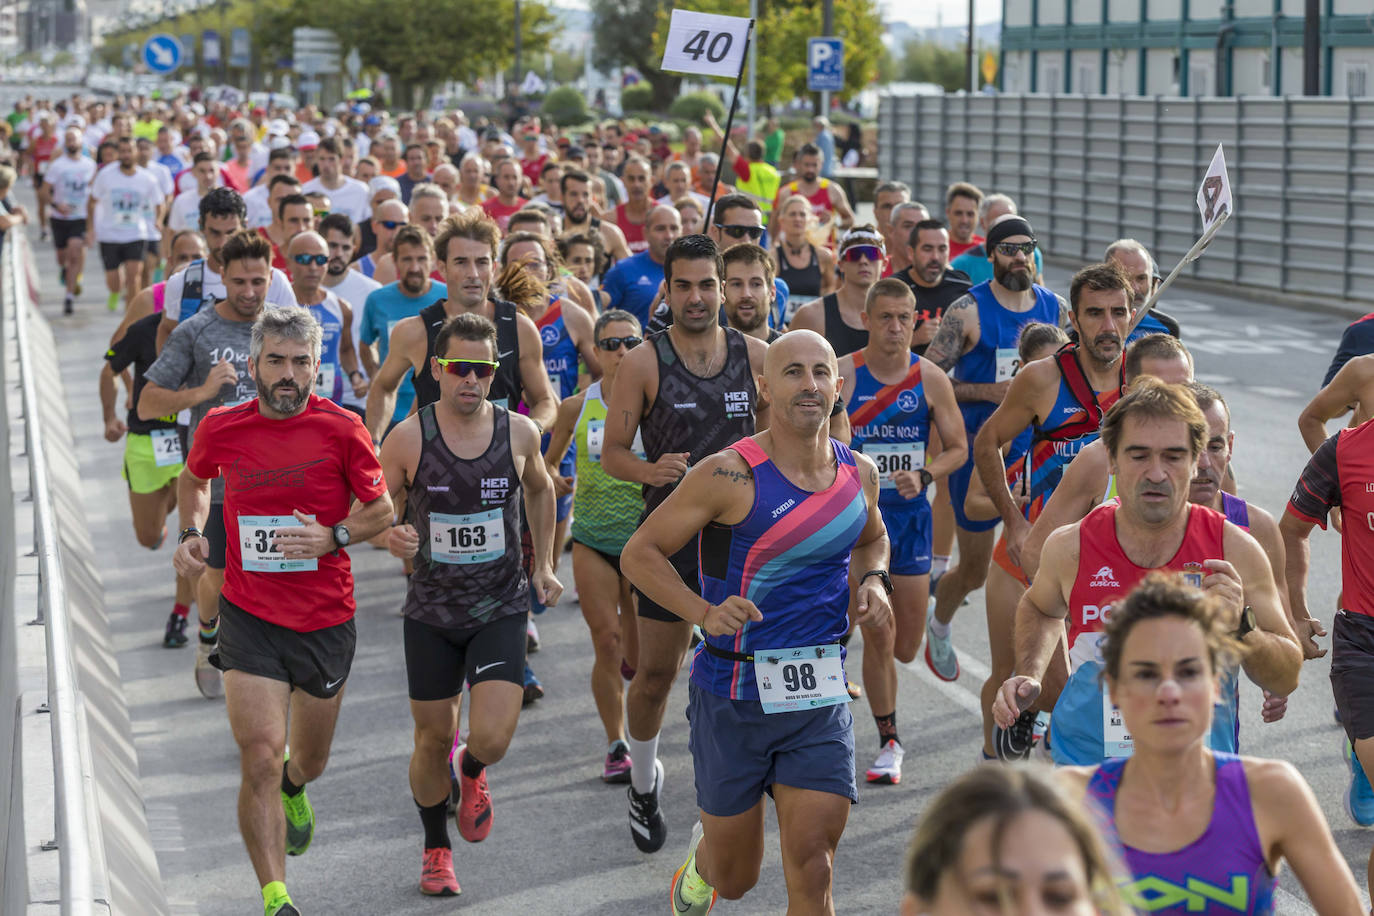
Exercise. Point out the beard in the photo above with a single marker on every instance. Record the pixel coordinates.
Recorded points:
(283, 397)
(1016, 279)
(753, 323)
(337, 266)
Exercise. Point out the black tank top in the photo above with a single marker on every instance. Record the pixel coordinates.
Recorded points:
(842, 337)
(694, 414)
(467, 512)
(801, 281)
(505, 384)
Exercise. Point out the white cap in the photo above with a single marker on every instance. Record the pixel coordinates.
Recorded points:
(277, 127)
(307, 140)
(383, 183)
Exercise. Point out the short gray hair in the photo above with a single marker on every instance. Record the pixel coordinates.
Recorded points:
(909, 205)
(993, 200)
(288, 322)
(1130, 245)
(889, 187)
(428, 189)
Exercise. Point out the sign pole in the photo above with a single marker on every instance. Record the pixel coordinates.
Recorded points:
(729, 120)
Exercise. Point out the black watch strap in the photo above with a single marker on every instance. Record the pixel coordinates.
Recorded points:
(927, 478)
(882, 577)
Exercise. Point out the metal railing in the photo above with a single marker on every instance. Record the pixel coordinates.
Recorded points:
(70, 781)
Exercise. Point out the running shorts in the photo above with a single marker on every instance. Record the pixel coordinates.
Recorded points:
(566, 468)
(214, 533)
(113, 254)
(317, 662)
(64, 230)
(439, 659)
(612, 559)
(1003, 559)
(740, 752)
(686, 561)
(141, 470)
(1352, 673)
(909, 530)
(958, 492)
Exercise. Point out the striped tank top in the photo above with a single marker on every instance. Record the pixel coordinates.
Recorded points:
(605, 509)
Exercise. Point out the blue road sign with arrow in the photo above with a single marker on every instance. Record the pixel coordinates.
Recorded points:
(162, 53)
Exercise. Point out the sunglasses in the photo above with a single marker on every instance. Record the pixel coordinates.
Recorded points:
(319, 260)
(1009, 249)
(481, 368)
(862, 253)
(321, 214)
(392, 223)
(739, 232)
(611, 344)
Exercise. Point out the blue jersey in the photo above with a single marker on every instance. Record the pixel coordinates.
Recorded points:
(632, 285)
(560, 352)
(790, 556)
(890, 423)
(1148, 325)
(384, 309)
(329, 381)
(995, 357)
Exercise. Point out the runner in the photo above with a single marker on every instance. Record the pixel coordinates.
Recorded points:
(507, 200)
(352, 287)
(123, 207)
(309, 253)
(187, 246)
(749, 293)
(895, 400)
(279, 162)
(976, 343)
(935, 284)
(577, 216)
(635, 283)
(1204, 830)
(185, 209)
(632, 216)
(1154, 435)
(1135, 261)
(828, 201)
(974, 261)
(387, 307)
(153, 456)
(707, 375)
(293, 463)
(67, 187)
(886, 195)
(737, 220)
(1350, 390)
(771, 579)
(604, 514)
(468, 466)
(585, 259)
(838, 316)
(472, 171)
(346, 195)
(201, 284)
(388, 216)
(294, 215)
(962, 201)
(807, 269)
(203, 365)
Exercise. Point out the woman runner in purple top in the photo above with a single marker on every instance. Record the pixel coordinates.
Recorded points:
(1202, 831)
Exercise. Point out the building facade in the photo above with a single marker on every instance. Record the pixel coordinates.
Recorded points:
(1182, 47)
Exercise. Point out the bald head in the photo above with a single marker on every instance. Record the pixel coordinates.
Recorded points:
(797, 346)
(307, 243)
(800, 381)
(391, 210)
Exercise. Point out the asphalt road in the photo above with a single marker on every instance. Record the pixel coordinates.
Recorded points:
(561, 843)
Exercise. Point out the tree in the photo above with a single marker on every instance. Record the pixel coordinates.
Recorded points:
(621, 28)
(929, 62)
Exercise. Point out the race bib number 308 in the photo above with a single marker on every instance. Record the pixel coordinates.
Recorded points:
(256, 536)
(891, 457)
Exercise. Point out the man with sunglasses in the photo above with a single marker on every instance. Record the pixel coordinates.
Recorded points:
(576, 188)
(976, 343)
(388, 216)
(308, 253)
(737, 220)
(469, 467)
(346, 195)
(838, 316)
(689, 395)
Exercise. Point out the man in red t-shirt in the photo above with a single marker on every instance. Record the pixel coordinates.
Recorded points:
(961, 212)
(507, 201)
(293, 464)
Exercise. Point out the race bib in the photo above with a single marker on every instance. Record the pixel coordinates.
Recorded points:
(260, 554)
(1008, 361)
(1116, 741)
(891, 457)
(324, 382)
(466, 539)
(166, 447)
(596, 437)
(791, 680)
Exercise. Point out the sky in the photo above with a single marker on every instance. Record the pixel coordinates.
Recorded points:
(927, 13)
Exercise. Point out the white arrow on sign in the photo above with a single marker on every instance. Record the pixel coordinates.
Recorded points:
(163, 54)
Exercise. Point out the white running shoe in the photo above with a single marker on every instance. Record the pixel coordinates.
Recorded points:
(209, 680)
(887, 769)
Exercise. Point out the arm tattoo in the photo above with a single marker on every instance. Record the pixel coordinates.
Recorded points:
(873, 476)
(948, 344)
(629, 419)
(733, 476)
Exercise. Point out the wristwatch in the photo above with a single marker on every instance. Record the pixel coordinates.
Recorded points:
(883, 577)
(191, 532)
(1247, 622)
(341, 536)
(927, 478)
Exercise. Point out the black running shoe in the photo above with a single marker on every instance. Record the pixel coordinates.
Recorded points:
(1015, 743)
(647, 826)
(175, 636)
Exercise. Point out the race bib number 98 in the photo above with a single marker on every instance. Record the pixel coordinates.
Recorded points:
(790, 680)
(260, 554)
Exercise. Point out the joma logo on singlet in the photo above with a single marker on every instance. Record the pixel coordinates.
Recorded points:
(1104, 578)
(1151, 894)
(784, 507)
(495, 487)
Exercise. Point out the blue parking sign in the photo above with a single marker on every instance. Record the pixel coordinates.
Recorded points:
(825, 65)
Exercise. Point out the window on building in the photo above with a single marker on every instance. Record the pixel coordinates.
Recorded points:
(1356, 80)
(1053, 81)
(1266, 73)
(1199, 81)
(1087, 80)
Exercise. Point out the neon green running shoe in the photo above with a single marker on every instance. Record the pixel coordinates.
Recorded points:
(300, 821)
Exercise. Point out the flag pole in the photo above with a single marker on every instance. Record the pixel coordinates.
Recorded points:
(1187, 259)
(729, 121)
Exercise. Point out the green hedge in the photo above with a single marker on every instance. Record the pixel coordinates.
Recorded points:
(565, 106)
(694, 105)
(637, 97)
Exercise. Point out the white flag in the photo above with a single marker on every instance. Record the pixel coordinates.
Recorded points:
(1214, 197)
(706, 44)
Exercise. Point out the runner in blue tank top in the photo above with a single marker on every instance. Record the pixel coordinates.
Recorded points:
(976, 343)
(1202, 832)
(338, 357)
(782, 518)
(892, 397)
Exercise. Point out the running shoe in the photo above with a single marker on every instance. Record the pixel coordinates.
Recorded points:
(647, 826)
(209, 680)
(533, 689)
(1359, 796)
(682, 887)
(940, 654)
(887, 769)
(531, 638)
(855, 691)
(112, 301)
(617, 768)
(286, 908)
(300, 821)
(455, 791)
(1015, 743)
(68, 306)
(174, 637)
(77, 289)
(474, 805)
(436, 873)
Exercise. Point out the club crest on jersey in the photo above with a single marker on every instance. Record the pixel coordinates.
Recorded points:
(1193, 574)
(549, 335)
(1104, 578)
(907, 402)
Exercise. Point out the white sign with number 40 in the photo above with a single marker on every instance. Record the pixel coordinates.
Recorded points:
(705, 43)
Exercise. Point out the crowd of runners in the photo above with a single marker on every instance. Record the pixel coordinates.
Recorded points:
(763, 429)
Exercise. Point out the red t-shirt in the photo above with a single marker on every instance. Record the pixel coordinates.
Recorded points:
(278, 259)
(634, 232)
(532, 167)
(317, 462)
(958, 248)
(1338, 474)
(498, 211)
